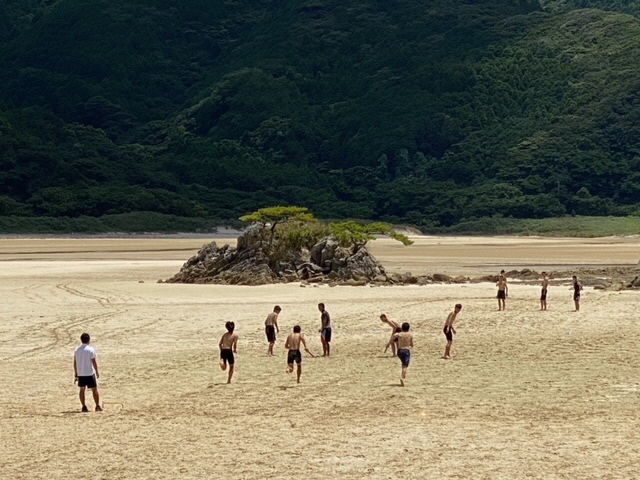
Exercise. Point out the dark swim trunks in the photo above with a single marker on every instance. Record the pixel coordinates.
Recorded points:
(543, 295)
(397, 330)
(448, 333)
(326, 335)
(88, 382)
(226, 355)
(405, 356)
(270, 330)
(502, 294)
(576, 297)
(294, 356)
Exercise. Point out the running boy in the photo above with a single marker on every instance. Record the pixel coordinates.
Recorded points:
(395, 328)
(271, 327)
(325, 330)
(405, 344)
(85, 369)
(543, 293)
(228, 346)
(293, 345)
(449, 330)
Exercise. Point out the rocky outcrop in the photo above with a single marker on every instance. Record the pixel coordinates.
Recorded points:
(249, 264)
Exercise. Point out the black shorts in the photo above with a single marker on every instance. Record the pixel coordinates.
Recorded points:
(405, 356)
(576, 297)
(397, 330)
(543, 294)
(226, 355)
(448, 333)
(88, 382)
(294, 356)
(502, 294)
(326, 335)
(270, 330)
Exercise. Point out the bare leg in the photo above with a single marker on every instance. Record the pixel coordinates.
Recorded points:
(328, 349)
(499, 305)
(96, 396)
(403, 376)
(447, 351)
(290, 367)
(82, 397)
(270, 350)
(230, 373)
(299, 372)
(577, 303)
(223, 365)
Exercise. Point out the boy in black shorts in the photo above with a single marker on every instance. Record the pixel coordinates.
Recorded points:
(271, 327)
(293, 345)
(449, 331)
(228, 346)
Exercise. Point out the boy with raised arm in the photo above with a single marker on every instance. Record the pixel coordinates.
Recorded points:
(293, 345)
(543, 293)
(449, 330)
(405, 344)
(271, 327)
(395, 328)
(85, 369)
(228, 346)
(325, 330)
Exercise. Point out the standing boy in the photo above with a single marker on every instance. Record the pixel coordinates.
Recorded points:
(325, 330)
(543, 293)
(293, 345)
(405, 344)
(85, 369)
(503, 291)
(395, 328)
(228, 346)
(271, 327)
(577, 288)
(450, 331)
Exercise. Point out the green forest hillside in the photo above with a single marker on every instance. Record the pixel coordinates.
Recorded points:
(425, 112)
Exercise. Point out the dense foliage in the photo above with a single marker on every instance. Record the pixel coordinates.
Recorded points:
(424, 112)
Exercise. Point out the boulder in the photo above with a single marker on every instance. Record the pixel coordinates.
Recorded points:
(441, 277)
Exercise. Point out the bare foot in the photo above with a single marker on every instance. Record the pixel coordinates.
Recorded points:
(447, 357)
(402, 382)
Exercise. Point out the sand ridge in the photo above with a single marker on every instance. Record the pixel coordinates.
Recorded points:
(528, 394)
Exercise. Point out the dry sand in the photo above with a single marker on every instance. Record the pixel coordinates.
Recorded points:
(528, 394)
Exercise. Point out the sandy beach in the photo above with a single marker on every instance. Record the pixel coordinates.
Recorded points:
(527, 394)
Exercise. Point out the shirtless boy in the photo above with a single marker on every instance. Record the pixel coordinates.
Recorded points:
(395, 328)
(293, 345)
(405, 344)
(271, 327)
(228, 346)
(577, 288)
(543, 293)
(450, 331)
(503, 291)
(325, 330)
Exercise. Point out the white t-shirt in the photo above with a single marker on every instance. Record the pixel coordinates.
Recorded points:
(84, 354)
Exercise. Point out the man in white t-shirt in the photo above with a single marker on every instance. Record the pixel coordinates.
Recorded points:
(85, 369)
